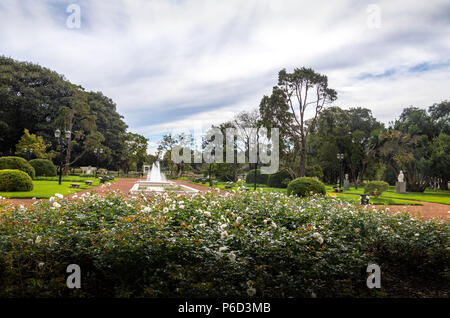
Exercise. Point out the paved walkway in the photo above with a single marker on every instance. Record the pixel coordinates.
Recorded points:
(427, 210)
(123, 185)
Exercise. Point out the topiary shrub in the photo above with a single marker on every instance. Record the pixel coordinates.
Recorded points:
(43, 167)
(279, 179)
(376, 188)
(305, 186)
(15, 180)
(260, 178)
(17, 163)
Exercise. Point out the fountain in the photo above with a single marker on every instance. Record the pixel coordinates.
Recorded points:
(156, 182)
(155, 175)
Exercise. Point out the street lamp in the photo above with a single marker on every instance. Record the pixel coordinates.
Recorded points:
(63, 144)
(28, 152)
(98, 152)
(340, 157)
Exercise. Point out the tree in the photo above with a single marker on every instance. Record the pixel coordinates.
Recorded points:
(286, 107)
(440, 114)
(41, 100)
(410, 154)
(352, 132)
(31, 141)
(135, 153)
(440, 160)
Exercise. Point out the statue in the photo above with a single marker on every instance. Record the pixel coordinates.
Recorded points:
(400, 186)
(346, 182)
(401, 177)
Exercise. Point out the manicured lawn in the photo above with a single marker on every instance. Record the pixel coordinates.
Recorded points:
(45, 188)
(433, 196)
(353, 195)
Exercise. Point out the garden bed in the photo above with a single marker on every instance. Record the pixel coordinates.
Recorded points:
(248, 244)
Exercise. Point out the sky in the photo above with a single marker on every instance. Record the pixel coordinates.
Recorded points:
(174, 64)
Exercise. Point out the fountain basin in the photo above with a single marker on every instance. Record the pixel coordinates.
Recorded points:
(149, 187)
(157, 182)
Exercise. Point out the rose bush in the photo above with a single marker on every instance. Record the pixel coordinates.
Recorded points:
(242, 244)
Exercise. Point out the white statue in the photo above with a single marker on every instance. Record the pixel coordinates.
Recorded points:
(401, 177)
(346, 176)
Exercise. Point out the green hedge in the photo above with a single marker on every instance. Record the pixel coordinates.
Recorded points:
(279, 179)
(43, 167)
(376, 188)
(306, 186)
(17, 163)
(268, 245)
(260, 178)
(15, 180)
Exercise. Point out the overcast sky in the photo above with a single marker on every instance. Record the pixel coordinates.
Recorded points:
(169, 64)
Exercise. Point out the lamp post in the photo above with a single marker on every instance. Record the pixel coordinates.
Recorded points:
(209, 176)
(340, 157)
(62, 145)
(28, 152)
(98, 152)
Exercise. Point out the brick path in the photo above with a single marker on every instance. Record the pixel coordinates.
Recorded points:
(428, 210)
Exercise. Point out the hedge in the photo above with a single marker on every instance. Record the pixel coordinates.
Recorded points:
(279, 179)
(43, 167)
(15, 180)
(306, 186)
(260, 178)
(376, 188)
(17, 163)
(249, 244)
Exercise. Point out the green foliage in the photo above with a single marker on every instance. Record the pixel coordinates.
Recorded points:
(35, 98)
(148, 247)
(17, 163)
(260, 178)
(376, 188)
(305, 186)
(279, 179)
(43, 167)
(15, 180)
(314, 171)
(31, 141)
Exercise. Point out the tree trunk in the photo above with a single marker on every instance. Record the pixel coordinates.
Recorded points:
(302, 171)
(443, 185)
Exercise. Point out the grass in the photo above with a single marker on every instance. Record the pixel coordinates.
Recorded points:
(46, 187)
(433, 196)
(390, 197)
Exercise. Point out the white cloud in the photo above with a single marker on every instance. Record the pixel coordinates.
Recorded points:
(168, 63)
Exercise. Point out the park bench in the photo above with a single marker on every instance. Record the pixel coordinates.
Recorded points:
(75, 185)
(88, 182)
(336, 189)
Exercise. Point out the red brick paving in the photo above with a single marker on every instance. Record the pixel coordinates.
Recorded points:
(427, 210)
(123, 185)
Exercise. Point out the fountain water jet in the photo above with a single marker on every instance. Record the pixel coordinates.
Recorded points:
(155, 174)
(156, 182)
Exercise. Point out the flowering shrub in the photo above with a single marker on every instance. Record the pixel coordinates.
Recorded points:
(242, 244)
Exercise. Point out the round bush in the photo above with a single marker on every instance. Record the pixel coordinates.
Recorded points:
(15, 180)
(305, 186)
(376, 188)
(260, 178)
(17, 163)
(43, 167)
(279, 179)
